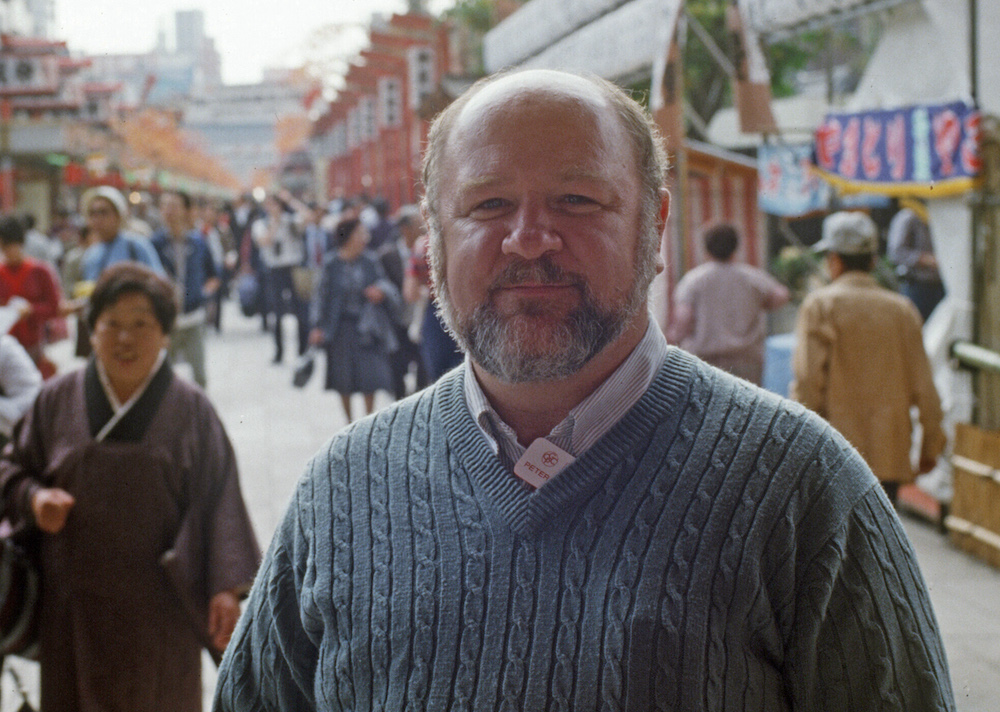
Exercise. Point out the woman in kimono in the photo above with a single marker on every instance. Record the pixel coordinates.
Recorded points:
(145, 542)
(354, 311)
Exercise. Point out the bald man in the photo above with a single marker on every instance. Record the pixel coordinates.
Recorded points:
(580, 517)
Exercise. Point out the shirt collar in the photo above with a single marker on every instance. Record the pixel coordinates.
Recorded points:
(590, 419)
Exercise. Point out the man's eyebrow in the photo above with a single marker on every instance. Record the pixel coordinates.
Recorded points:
(573, 173)
(481, 182)
(567, 175)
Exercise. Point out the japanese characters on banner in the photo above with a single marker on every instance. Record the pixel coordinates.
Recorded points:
(787, 184)
(920, 150)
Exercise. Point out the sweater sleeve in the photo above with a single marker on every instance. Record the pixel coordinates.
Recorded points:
(866, 637)
(271, 662)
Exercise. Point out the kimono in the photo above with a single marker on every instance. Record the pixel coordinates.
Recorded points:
(159, 526)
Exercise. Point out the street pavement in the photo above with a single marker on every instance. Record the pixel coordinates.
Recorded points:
(275, 428)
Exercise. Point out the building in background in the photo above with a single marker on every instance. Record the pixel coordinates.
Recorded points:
(68, 122)
(369, 139)
(31, 18)
(182, 64)
(239, 123)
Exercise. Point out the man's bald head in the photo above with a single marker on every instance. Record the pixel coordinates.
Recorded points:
(496, 90)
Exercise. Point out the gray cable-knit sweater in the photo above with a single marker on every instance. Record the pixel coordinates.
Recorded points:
(719, 549)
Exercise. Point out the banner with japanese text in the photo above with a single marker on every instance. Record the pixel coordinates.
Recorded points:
(930, 151)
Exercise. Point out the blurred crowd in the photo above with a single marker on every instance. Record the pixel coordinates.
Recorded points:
(350, 277)
(138, 286)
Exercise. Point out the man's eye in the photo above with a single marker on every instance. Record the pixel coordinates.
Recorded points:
(491, 204)
(578, 202)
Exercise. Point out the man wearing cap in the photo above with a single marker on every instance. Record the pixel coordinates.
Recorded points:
(859, 358)
(105, 210)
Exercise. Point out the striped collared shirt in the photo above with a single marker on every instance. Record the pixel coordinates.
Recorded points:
(594, 416)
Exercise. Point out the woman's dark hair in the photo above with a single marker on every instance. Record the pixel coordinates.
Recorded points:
(133, 278)
(721, 241)
(342, 233)
(11, 231)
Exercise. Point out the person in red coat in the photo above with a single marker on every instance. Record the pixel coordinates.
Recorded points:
(30, 287)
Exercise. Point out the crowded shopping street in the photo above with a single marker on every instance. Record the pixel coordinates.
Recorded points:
(484, 355)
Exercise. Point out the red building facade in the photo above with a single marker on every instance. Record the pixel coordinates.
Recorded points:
(371, 136)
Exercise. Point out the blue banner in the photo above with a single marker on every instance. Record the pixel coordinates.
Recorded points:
(919, 150)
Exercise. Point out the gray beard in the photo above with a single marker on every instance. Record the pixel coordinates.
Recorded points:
(511, 349)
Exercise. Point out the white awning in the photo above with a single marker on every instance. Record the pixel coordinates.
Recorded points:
(610, 38)
(776, 18)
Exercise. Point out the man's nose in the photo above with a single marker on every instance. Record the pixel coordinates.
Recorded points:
(125, 335)
(533, 233)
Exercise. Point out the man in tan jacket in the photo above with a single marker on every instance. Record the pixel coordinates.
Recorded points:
(859, 358)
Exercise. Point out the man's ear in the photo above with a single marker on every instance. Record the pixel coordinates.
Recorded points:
(664, 209)
(661, 225)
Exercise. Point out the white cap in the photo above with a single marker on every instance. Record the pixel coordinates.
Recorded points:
(848, 233)
(112, 195)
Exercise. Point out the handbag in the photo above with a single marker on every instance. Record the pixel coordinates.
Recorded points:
(304, 367)
(375, 329)
(248, 288)
(20, 594)
(303, 282)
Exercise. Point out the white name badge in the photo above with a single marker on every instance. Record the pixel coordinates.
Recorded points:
(541, 462)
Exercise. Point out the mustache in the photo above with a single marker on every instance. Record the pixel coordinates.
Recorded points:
(539, 271)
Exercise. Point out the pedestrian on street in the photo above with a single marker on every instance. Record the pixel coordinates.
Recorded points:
(355, 311)
(212, 225)
(282, 248)
(189, 264)
(395, 257)
(127, 477)
(250, 266)
(720, 308)
(106, 212)
(911, 248)
(859, 358)
(438, 349)
(581, 517)
(20, 381)
(32, 288)
(383, 230)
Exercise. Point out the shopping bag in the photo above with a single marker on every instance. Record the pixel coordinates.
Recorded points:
(304, 367)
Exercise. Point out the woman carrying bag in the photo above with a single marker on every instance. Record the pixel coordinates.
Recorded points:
(353, 311)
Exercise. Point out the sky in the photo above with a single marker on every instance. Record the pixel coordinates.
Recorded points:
(249, 34)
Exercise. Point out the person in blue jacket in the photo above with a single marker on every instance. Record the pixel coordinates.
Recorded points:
(189, 264)
(106, 211)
